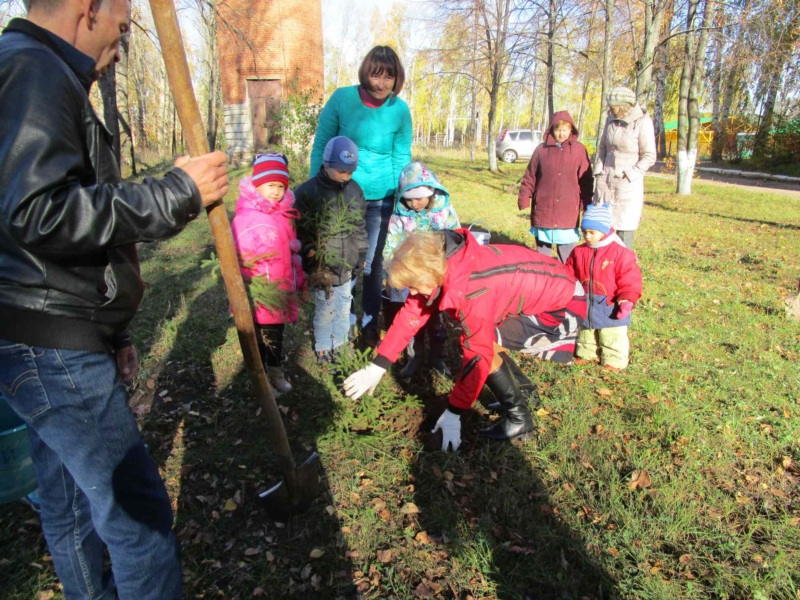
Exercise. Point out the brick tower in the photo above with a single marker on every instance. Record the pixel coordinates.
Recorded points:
(267, 50)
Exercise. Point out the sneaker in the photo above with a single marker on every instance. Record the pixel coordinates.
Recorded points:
(278, 380)
(324, 357)
(32, 500)
(581, 361)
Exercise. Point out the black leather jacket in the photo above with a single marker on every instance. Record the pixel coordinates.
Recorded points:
(69, 272)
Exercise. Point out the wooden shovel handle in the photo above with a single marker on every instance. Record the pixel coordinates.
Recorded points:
(169, 35)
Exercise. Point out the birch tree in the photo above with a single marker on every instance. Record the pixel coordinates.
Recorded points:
(690, 89)
(655, 11)
(610, 7)
(783, 29)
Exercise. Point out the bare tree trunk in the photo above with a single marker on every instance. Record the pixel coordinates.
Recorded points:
(491, 141)
(581, 110)
(585, 87)
(654, 16)
(607, 72)
(108, 91)
(684, 177)
(728, 93)
(211, 116)
(473, 89)
(123, 109)
(696, 88)
(690, 88)
(785, 23)
(658, 108)
(214, 84)
(765, 124)
(551, 67)
(532, 123)
(497, 51)
(716, 93)
(141, 135)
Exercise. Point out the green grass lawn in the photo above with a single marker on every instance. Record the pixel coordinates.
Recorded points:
(706, 421)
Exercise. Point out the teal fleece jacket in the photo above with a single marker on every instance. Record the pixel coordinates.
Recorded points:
(383, 137)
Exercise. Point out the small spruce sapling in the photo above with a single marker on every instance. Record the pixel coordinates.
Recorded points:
(329, 227)
(260, 290)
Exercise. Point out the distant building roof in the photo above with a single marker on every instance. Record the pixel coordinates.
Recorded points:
(670, 125)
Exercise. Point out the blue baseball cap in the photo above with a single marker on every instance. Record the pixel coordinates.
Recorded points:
(341, 154)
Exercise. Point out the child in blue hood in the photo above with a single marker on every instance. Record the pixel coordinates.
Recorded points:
(421, 204)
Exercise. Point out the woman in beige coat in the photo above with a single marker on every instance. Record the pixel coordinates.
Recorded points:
(627, 149)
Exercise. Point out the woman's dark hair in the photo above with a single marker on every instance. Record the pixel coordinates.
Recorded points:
(379, 60)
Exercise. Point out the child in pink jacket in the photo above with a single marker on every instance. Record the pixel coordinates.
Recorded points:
(267, 245)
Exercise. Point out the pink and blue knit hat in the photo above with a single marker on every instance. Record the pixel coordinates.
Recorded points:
(270, 167)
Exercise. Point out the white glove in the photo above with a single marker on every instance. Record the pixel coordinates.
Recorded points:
(450, 424)
(365, 380)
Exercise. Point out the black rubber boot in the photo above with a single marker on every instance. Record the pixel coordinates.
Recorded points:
(414, 352)
(437, 337)
(527, 388)
(517, 421)
(436, 359)
(389, 311)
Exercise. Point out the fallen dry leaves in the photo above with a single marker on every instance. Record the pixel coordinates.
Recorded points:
(422, 537)
(640, 480)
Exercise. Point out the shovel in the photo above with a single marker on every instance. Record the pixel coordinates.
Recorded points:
(300, 485)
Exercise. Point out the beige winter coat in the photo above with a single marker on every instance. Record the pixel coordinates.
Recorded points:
(627, 149)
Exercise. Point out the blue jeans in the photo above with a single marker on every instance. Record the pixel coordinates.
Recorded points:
(332, 317)
(378, 213)
(97, 483)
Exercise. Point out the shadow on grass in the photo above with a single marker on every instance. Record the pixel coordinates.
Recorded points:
(487, 518)
(667, 207)
(485, 512)
(212, 448)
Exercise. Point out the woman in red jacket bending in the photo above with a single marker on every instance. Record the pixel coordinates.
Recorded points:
(558, 183)
(506, 298)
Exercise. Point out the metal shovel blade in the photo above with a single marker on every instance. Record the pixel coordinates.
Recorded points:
(281, 503)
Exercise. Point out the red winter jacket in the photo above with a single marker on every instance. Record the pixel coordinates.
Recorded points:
(558, 179)
(483, 286)
(608, 272)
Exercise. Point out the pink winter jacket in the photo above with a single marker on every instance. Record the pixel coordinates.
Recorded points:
(264, 232)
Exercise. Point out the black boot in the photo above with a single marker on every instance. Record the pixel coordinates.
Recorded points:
(438, 352)
(389, 311)
(517, 421)
(527, 388)
(437, 337)
(414, 353)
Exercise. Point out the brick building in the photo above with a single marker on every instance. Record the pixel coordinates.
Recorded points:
(267, 50)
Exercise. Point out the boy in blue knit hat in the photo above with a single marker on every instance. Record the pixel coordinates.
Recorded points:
(333, 234)
(611, 277)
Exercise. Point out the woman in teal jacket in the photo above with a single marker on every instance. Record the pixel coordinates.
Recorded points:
(379, 123)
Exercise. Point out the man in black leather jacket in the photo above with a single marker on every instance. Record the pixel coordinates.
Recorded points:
(69, 286)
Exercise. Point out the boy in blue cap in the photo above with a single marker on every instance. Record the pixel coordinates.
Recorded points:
(611, 277)
(333, 234)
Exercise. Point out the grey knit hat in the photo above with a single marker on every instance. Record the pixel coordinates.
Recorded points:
(621, 95)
